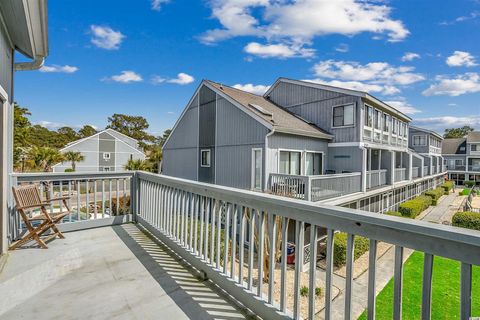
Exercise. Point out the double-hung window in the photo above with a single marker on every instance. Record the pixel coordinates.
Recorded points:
(290, 162)
(378, 119)
(343, 115)
(368, 116)
(386, 122)
(419, 141)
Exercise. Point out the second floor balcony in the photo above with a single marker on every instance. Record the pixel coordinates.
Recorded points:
(168, 232)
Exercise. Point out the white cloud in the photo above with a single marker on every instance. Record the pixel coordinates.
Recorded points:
(182, 78)
(126, 76)
(461, 84)
(403, 106)
(157, 4)
(461, 58)
(371, 77)
(409, 56)
(277, 50)
(299, 22)
(158, 79)
(472, 16)
(255, 89)
(170, 112)
(443, 122)
(377, 72)
(59, 69)
(105, 37)
(359, 86)
(51, 125)
(342, 47)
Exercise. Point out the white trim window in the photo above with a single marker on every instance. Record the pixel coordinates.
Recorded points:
(205, 158)
(290, 162)
(420, 140)
(386, 122)
(313, 163)
(257, 168)
(343, 116)
(106, 156)
(378, 119)
(368, 116)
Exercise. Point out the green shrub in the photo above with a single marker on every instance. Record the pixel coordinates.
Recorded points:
(448, 186)
(69, 170)
(304, 291)
(465, 192)
(469, 184)
(414, 207)
(469, 220)
(340, 248)
(435, 194)
(394, 213)
(318, 291)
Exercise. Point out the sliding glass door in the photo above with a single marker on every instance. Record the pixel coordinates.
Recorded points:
(290, 162)
(313, 163)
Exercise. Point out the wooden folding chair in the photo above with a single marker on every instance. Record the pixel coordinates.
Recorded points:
(28, 198)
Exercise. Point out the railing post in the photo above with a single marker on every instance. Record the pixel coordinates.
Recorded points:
(308, 188)
(134, 195)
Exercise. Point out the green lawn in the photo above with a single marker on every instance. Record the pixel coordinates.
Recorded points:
(445, 287)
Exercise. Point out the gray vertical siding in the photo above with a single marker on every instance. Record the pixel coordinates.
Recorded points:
(106, 144)
(315, 105)
(93, 148)
(206, 133)
(180, 151)
(345, 159)
(286, 141)
(6, 64)
(420, 149)
(237, 135)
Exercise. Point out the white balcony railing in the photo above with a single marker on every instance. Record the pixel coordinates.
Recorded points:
(315, 188)
(400, 174)
(415, 172)
(206, 225)
(376, 178)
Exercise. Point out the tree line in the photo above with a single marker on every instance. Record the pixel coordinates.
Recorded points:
(37, 148)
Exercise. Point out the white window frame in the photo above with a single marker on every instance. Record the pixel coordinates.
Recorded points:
(107, 156)
(419, 135)
(253, 169)
(304, 168)
(354, 115)
(209, 158)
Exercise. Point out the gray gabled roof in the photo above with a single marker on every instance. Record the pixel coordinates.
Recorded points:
(362, 94)
(473, 137)
(453, 145)
(280, 119)
(427, 131)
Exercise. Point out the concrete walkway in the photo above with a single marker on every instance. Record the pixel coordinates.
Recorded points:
(107, 273)
(444, 211)
(385, 265)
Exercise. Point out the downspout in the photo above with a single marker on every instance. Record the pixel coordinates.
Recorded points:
(267, 172)
(35, 64)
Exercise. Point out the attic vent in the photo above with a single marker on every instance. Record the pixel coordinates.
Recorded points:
(260, 109)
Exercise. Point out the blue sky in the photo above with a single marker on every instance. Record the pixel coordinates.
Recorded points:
(146, 57)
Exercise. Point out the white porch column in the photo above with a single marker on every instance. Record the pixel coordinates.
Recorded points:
(393, 159)
(431, 164)
(364, 170)
(4, 170)
(410, 165)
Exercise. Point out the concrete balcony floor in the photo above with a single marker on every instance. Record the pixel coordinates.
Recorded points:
(107, 273)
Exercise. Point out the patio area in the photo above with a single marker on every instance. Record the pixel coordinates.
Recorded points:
(116, 272)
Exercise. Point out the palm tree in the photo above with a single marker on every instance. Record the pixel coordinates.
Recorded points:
(73, 157)
(45, 157)
(138, 164)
